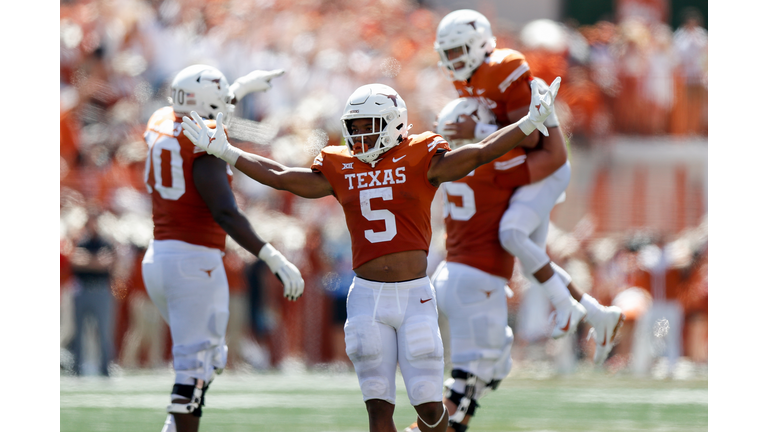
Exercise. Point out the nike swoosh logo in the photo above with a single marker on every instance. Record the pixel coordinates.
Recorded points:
(424, 301)
(567, 324)
(396, 160)
(208, 271)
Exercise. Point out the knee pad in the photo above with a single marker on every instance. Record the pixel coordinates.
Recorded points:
(422, 389)
(518, 243)
(199, 361)
(363, 343)
(375, 388)
(488, 354)
(195, 394)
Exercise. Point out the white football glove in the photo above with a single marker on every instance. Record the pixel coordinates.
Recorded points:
(551, 120)
(541, 106)
(255, 81)
(212, 141)
(282, 268)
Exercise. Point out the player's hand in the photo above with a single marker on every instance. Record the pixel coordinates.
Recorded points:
(462, 129)
(255, 81)
(541, 106)
(212, 141)
(552, 120)
(288, 274)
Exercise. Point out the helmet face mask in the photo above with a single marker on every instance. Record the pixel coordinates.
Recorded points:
(470, 106)
(375, 120)
(203, 89)
(471, 32)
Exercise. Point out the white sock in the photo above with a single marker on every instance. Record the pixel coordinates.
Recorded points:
(170, 424)
(557, 292)
(590, 304)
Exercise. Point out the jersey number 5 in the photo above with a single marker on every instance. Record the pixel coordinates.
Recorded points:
(390, 228)
(164, 163)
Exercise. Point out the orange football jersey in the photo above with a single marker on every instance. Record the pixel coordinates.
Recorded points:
(472, 208)
(502, 82)
(178, 210)
(386, 206)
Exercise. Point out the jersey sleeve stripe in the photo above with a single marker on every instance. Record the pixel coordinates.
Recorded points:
(505, 165)
(517, 73)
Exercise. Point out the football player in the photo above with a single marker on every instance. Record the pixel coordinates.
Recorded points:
(385, 180)
(471, 283)
(501, 79)
(481, 221)
(193, 210)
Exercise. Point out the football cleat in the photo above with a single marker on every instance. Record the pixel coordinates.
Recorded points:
(414, 427)
(605, 326)
(567, 319)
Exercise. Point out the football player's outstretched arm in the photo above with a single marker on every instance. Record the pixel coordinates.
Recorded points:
(456, 164)
(300, 181)
(553, 153)
(210, 177)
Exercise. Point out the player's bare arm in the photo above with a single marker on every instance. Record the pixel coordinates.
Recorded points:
(211, 181)
(458, 163)
(210, 177)
(544, 161)
(300, 181)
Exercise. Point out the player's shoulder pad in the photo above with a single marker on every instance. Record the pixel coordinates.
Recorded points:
(433, 141)
(164, 121)
(335, 150)
(330, 152)
(161, 115)
(507, 56)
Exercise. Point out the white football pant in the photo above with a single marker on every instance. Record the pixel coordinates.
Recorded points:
(188, 285)
(391, 323)
(475, 303)
(524, 226)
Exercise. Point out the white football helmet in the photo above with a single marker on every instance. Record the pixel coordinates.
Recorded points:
(470, 106)
(389, 116)
(470, 31)
(203, 89)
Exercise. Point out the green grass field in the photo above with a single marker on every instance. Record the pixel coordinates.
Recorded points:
(313, 401)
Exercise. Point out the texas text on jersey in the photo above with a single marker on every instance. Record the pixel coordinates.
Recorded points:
(388, 201)
(178, 211)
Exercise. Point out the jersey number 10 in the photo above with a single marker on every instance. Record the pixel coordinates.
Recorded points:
(164, 163)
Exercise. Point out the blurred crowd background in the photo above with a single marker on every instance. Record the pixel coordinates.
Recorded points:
(633, 231)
